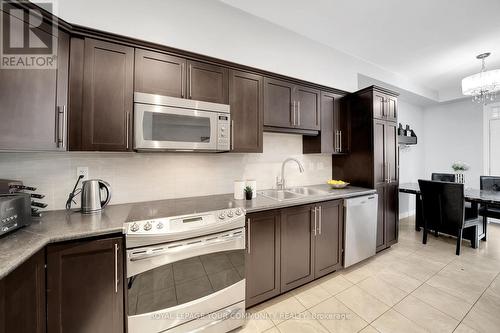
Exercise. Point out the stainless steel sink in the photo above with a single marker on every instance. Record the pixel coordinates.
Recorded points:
(306, 191)
(292, 193)
(280, 194)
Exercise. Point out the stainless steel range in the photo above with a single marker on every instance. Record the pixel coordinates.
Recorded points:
(186, 273)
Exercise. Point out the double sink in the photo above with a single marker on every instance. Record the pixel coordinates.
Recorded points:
(292, 193)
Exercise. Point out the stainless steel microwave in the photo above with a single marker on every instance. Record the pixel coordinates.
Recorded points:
(174, 124)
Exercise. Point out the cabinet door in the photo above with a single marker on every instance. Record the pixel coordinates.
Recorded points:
(308, 108)
(247, 111)
(159, 73)
(207, 82)
(379, 151)
(297, 253)
(378, 105)
(85, 286)
(381, 233)
(391, 111)
(392, 213)
(278, 108)
(329, 237)
(342, 126)
(262, 260)
(33, 101)
(391, 151)
(108, 91)
(22, 297)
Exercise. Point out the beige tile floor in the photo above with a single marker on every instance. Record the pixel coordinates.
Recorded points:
(410, 287)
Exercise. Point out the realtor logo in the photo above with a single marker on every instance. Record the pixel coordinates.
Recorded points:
(29, 38)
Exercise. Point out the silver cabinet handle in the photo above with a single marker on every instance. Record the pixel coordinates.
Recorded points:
(315, 220)
(340, 141)
(388, 172)
(335, 141)
(293, 113)
(61, 127)
(183, 84)
(232, 134)
(116, 268)
(298, 113)
(320, 219)
(248, 236)
(190, 81)
(127, 132)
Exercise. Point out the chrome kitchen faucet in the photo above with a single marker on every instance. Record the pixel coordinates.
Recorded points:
(280, 182)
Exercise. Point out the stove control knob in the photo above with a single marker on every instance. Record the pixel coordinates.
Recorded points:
(148, 226)
(238, 211)
(222, 216)
(230, 214)
(159, 225)
(134, 227)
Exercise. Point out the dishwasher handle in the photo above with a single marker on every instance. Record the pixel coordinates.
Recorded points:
(359, 201)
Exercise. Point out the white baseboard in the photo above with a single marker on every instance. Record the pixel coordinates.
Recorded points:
(403, 215)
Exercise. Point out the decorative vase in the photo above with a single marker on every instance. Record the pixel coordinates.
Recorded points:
(459, 177)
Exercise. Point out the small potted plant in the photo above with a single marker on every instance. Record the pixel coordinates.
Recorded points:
(459, 168)
(248, 192)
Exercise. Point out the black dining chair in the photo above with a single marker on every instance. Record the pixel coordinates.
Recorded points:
(489, 183)
(443, 205)
(443, 177)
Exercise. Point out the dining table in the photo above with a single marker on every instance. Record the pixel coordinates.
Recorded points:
(474, 196)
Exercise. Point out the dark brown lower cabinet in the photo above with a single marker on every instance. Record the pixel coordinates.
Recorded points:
(328, 245)
(22, 297)
(297, 246)
(85, 290)
(262, 260)
(388, 215)
(289, 247)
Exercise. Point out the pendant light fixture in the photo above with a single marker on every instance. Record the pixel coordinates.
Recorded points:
(483, 85)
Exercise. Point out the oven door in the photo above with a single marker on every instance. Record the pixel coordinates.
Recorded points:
(174, 283)
(174, 128)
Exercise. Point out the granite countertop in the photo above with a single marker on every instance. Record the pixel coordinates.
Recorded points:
(61, 225)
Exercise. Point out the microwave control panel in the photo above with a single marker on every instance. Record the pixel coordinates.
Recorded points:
(223, 132)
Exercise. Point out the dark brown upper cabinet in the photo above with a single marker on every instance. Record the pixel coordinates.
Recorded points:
(207, 82)
(262, 261)
(33, 102)
(22, 297)
(84, 277)
(308, 108)
(160, 74)
(372, 111)
(291, 108)
(385, 106)
(278, 108)
(334, 134)
(247, 111)
(101, 90)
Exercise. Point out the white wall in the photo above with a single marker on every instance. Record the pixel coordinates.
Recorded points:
(154, 176)
(215, 29)
(411, 158)
(454, 132)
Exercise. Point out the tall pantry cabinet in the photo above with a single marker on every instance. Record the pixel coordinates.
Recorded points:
(374, 155)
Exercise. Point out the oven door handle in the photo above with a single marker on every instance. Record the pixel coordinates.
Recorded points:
(228, 314)
(186, 247)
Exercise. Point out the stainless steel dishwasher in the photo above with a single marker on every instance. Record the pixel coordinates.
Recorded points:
(360, 228)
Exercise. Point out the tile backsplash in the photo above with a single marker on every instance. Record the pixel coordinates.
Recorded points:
(138, 177)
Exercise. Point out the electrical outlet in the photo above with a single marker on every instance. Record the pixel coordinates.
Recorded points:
(82, 171)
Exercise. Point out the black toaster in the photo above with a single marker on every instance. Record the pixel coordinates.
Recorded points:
(15, 211)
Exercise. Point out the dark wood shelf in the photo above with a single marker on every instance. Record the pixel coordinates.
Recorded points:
(407, 140)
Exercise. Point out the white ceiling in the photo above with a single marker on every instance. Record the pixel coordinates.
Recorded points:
(431, 42)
